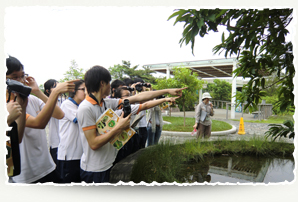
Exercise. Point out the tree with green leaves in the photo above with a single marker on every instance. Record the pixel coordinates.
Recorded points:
(257, 38)
(272, 92)
(73, 73)
(220, 90)
(41, 87)
(183, 77)
(125, 70)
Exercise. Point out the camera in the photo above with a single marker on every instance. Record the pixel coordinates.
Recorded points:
(160, 97)
(17, 87)
(126, 108)
(139, 87)
(130, 89)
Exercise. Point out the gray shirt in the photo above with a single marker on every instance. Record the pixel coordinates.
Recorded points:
(207, 109)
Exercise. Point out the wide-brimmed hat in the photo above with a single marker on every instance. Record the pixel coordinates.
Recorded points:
(206, 95)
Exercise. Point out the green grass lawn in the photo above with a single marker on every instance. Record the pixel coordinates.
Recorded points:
(177, 124)
(278, 119)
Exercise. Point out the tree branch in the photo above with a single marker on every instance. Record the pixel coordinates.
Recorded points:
(246, 29)
(274, 83)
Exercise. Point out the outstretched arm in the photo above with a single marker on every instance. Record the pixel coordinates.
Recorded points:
(153, 103)
(149, 95)
(41, 120)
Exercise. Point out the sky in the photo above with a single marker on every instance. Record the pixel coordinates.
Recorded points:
(46, 39)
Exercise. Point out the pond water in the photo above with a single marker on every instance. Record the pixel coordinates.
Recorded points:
(242, 169)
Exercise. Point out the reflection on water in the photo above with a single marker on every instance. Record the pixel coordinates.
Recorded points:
(242, 169)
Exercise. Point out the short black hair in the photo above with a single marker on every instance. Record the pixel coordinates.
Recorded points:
(77, 85)
(115, 84)
(128, 81)
(48, 85)
(13, 64)
(118, 92)
(138, 80)
(94, 76)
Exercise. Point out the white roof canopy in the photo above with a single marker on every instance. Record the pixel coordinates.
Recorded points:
(205, 68)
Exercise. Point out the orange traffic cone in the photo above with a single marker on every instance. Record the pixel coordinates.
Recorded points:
(241, 130)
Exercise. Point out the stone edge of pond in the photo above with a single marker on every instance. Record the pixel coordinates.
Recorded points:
(215, 133)
(123, 169)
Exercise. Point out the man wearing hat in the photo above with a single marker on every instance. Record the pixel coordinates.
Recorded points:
(202, 114)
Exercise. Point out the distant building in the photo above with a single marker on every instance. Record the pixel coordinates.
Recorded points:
(207, 69)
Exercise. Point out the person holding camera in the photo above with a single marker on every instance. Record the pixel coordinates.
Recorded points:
(37, 164)
(124, 93)
(140, 87)
(17, 112)
(70, 147)
(128, 82)
(202, 115)
(155, 123)
(53, 124)
(115, 84)
(98, 154)
(16, 119)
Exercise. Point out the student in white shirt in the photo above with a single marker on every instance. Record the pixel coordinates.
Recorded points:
(16, 119)
(98, 154)
(70, 147)
(124, 93)
(154, 125)
(142, 125)
(36, 163)
(53, 136)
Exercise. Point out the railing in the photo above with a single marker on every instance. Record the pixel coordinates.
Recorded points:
(219, 103)
(265, 110)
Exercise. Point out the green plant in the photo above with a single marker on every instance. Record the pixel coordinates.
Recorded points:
(178, 125)
(120, 71)
(258, 38)
(285, 130)
(73, 73)
(183, 77)
(164, 162)
(220, 90)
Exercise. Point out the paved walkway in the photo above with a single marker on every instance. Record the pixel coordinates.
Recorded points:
(220, 114)
(251, 129)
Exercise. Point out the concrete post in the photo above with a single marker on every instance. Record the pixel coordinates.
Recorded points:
(259, 113)
(233, 99)
(200, 95)
(168, 72)
(227, 108)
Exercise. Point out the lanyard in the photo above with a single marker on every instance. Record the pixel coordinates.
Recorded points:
(94, 98)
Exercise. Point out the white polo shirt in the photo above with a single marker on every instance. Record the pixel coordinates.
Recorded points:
(36, 161)
(54, 138)
(143, 122)
(70, 147)
(135, 109)
(89, 111)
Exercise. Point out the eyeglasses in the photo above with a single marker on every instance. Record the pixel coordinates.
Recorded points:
(18, 77)
(81, 89)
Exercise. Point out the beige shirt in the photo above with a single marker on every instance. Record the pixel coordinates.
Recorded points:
(209, 111)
